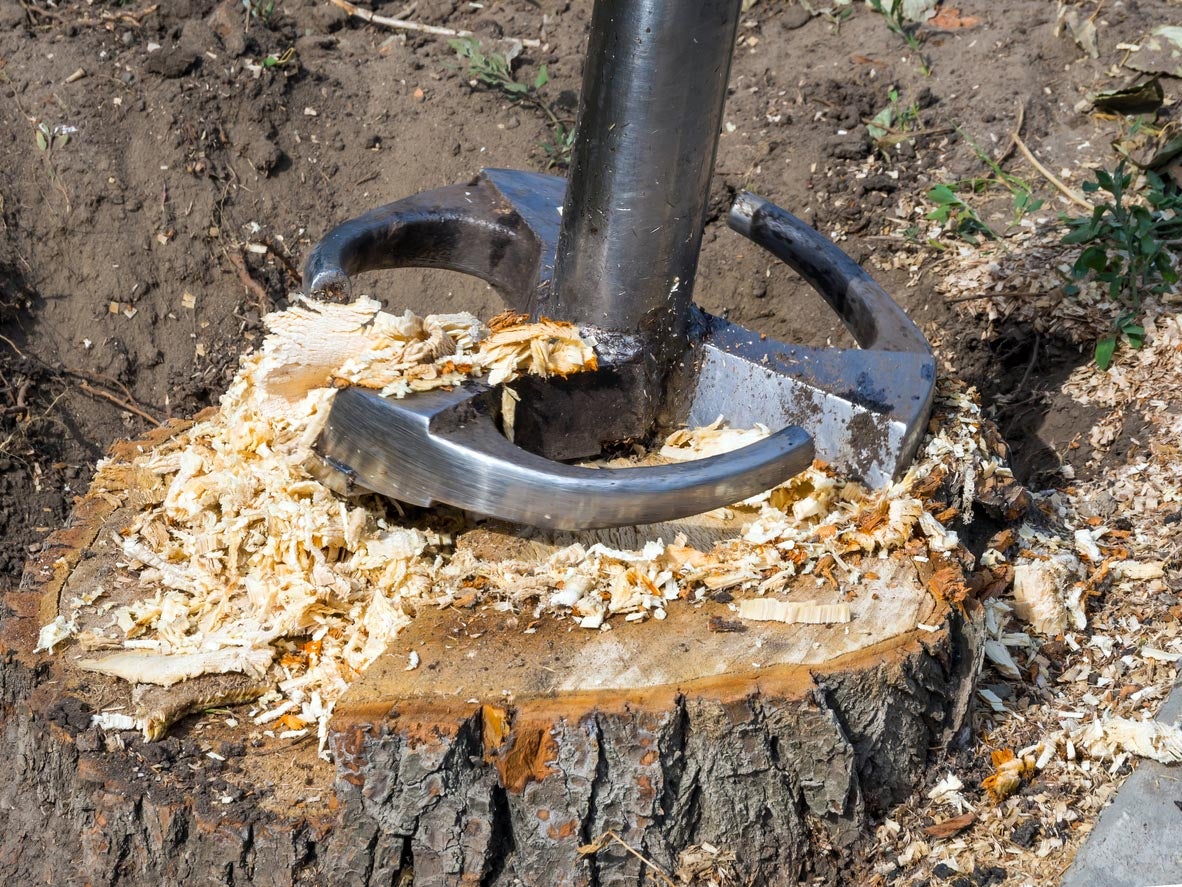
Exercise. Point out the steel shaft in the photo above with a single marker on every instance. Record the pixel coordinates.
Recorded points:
(654, 87)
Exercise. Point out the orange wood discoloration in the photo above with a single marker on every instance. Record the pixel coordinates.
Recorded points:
(494, 729)
(564, 831)
(644, 784)
(529, 755)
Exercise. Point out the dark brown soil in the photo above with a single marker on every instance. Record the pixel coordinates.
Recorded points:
(179, 156)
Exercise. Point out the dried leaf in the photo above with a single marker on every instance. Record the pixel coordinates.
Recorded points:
(952, 826)
(1141, 99)
(1159, 52)
(949, 18)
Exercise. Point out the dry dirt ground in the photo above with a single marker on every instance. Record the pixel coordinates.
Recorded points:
(210, 145)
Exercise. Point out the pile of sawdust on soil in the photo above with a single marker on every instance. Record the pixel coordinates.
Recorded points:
(1022, 281)
(249, 564)
(1083, 648)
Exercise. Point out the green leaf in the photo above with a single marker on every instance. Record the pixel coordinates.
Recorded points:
(1094, 258)
(1105, 348)
(942, 194)
(542, 79)
(880, 124)
(1086, 228)
(42, 140)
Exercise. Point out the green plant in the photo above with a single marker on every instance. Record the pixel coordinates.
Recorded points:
(278, 61)
(837, 16)
(49, 138)
(1020, 190)
(263, 9)
(495, 71)
(898, 25)
(957, 216)
(895, 123)
(1127, 246)
(558, 145)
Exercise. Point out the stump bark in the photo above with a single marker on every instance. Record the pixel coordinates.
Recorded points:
(517, 751)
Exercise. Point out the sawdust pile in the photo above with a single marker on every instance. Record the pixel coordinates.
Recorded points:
(1082, 647)
(247, 564)
(245, 559)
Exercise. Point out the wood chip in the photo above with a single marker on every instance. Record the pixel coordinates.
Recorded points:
(718, 624)
(790, 612)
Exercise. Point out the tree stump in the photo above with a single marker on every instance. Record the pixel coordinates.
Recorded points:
(517, 751)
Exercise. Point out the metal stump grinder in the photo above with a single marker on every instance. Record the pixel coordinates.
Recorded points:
(614, 250)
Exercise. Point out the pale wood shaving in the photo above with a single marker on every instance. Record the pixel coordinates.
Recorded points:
(789, 612)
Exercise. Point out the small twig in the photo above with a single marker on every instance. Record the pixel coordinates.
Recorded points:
(84, 384)
(598, 844)
(1074, 196)
(31, 8)
(22, 393)
(281, 255)
(22, 428)
(95, 377)
(252, 286)
(11, 344)
(1030, 366)
(1018, 124)
(405, 25)
(87, 388)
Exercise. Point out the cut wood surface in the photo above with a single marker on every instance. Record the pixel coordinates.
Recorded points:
(502, 751)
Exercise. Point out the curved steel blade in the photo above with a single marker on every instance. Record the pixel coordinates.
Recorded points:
(444, 446)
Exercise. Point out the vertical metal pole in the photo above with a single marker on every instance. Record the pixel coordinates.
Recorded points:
(653, 94)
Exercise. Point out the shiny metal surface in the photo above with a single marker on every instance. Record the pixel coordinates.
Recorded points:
(865, 308)
(867, 409)
(442, 446)
(501, 227)
(654, 86)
